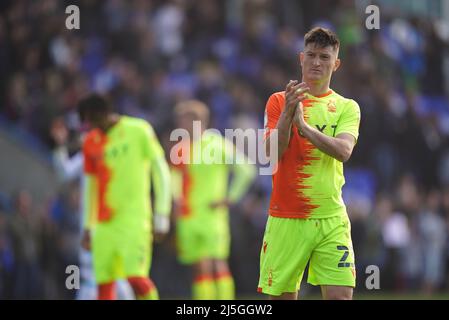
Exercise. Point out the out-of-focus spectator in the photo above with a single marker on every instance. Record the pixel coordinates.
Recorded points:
(7, 259)
(65, 213)
(396, 238)
(432, 230)
(445, 210)
(25, 231)
(408, 204)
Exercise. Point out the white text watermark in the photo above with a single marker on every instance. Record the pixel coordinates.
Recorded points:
(248, 148)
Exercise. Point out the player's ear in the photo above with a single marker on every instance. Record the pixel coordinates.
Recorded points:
(301, 58)
(337, 64)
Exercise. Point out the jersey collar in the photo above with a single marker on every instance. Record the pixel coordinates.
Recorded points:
(324, 94)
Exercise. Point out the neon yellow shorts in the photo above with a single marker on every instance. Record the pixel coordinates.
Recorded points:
(289, 244)
(120, 254)
(203, 237)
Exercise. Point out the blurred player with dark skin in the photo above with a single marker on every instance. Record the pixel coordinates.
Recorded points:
(70, 169)
(308, 223)
(120, 152)
(203, 198)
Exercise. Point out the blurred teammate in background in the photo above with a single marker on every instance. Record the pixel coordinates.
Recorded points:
(70, 169)
(317, 131)
(120, 152)
(201, 192)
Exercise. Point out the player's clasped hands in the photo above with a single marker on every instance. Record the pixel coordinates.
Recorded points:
(294, 94)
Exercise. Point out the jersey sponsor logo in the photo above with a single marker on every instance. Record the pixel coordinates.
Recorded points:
(324, 126)
(116, 151)
(321, 128)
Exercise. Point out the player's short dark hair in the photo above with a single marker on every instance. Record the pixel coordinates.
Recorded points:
(93, 105)
(322, 38)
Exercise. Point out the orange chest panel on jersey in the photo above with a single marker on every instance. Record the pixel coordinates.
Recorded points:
(307, 182)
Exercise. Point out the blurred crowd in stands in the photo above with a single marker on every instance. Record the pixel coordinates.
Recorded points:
(147, 55)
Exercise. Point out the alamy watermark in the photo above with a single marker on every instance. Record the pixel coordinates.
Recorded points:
(372, 281)
(371, 22)
(72, 282)
(250, 142)
(73, 20)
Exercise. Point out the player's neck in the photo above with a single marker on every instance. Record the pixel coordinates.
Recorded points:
(318, 88)
(112, 120)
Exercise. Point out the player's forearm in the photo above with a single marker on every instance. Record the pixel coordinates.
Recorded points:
(284, 128)
(162, 189)
(337, 148)
(244, 174)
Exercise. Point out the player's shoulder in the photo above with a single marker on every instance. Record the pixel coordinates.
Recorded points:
(345, 102)
(279, 96)
(136, 124)
(276, 99)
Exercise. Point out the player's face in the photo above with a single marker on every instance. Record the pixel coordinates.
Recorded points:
(318, 63)
(188, 122)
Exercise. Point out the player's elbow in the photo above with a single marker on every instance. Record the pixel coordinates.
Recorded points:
(344, 154)
(344, 158)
